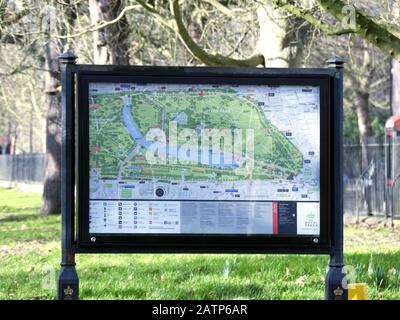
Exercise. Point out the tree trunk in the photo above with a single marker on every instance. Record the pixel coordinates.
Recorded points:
(110, 45)
(51, 203)
(52, 180)
(395, 87)
(364, 127)
(276, 40)
(272, 34)
(364, 124)
(31, 130)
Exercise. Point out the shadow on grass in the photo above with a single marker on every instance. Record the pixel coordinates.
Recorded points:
(205, 290)
(20, 217)
(128, 293)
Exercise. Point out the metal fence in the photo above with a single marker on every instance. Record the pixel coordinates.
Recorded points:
(28, 168)
(392, 157)
(365, 187)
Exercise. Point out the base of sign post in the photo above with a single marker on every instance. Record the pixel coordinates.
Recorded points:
(68, 283)
(336, 284)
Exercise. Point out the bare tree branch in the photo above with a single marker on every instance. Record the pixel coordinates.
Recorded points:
(97, 27)
(307, 16)
(382, 35)
(366, 27)
(203, 56)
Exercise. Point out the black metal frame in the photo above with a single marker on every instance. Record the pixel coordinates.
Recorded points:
(196, 242)
(76, 237)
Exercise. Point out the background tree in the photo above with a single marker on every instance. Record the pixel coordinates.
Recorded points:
(52, 179)
(395, 87)
(367, 25)
(110, 44)
(53, 47)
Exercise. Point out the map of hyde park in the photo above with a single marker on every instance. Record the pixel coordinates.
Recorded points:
(207, 140)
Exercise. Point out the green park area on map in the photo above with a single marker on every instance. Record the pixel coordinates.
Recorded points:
(115, 153)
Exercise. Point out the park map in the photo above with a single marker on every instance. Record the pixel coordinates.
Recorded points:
(214, 142)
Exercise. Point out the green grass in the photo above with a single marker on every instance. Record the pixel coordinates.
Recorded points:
(30, 256)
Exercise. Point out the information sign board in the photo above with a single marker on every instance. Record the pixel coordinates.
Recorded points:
(185, 155)
(201, 160)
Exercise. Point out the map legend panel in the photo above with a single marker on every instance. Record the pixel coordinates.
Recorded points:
(217, 217)
(287, 218)
(203, 217)
(134, 216)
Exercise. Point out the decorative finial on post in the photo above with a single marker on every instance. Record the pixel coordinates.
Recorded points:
(335, 62)
(68, 57)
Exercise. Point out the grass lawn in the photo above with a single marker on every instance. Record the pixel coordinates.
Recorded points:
(30, 256)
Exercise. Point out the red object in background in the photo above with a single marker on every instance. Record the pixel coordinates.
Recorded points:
(390, 133)
(393, 123)
(5, 144)
(8, 148)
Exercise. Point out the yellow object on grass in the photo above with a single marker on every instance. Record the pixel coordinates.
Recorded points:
(358, 291)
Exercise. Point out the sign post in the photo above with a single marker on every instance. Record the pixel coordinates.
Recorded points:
(68, 283)
(336, 283)
(201, 160)
(392, 130)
